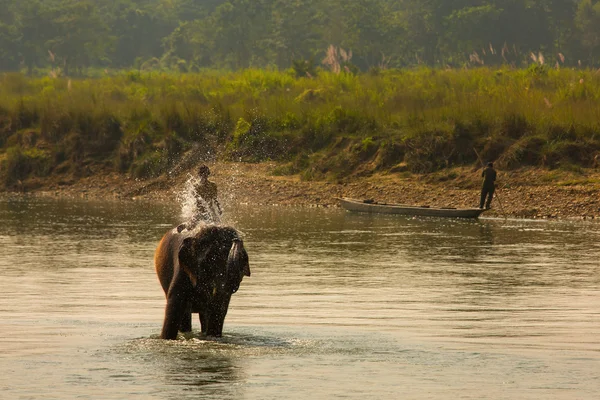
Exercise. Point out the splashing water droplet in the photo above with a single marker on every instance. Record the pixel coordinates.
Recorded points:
(190, 200)
(187, 199)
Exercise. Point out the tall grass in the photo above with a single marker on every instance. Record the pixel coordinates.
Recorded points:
(424, 119)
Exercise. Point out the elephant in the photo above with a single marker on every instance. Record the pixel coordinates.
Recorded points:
(199, 270)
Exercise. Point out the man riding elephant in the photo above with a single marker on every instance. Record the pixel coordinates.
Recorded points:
(207, 207)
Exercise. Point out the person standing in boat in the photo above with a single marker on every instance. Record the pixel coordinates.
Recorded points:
(488, 187)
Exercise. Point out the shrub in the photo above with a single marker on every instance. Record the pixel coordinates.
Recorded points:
(564, 153)
(304, 68)
(390, 154)
(514, 126)
(20, 164)
(428, 151)
(525, 151)
(149, 166)
(299, 164)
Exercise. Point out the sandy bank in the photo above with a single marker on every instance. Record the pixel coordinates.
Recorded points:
(524, 193)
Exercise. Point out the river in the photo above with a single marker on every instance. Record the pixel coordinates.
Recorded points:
(339, 305)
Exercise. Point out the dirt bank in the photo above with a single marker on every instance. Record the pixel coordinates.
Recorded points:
(525, 193)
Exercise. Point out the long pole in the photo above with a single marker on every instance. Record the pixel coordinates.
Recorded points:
(496, 191)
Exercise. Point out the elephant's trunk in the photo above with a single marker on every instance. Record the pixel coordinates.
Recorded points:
(237, 264)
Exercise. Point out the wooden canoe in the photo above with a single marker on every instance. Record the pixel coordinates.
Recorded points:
(369, 206)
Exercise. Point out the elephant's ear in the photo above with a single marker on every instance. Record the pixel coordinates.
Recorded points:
(237, 264)
(246, 264)
(187, 261)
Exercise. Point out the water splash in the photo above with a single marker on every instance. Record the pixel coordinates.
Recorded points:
(189, 200)
(230, 185)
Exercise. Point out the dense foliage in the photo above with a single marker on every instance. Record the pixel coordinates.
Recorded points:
(328, 126)
(71, 37)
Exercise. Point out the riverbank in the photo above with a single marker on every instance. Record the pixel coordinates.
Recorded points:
(525, 193)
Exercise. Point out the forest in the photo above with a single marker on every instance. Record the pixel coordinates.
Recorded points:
(88, 37)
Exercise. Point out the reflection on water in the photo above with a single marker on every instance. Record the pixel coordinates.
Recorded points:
(338, 305)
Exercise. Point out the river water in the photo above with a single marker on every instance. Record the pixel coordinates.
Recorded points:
(339, 305)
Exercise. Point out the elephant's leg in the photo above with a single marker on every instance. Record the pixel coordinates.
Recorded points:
(177, 307)
(215, 324)
(203, 322)
(215, 329)
(173, 316)
(186, 321)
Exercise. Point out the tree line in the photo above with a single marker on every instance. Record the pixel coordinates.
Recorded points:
(70, 37)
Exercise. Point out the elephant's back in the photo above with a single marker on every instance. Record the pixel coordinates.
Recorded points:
(164, 257)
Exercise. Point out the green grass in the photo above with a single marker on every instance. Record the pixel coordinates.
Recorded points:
(328, 126)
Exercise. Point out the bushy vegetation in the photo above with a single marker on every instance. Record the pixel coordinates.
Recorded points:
(328, 126)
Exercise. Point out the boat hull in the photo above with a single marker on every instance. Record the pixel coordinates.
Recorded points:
(383, 208)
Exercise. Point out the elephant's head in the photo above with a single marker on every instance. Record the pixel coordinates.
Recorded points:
(215, 261)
